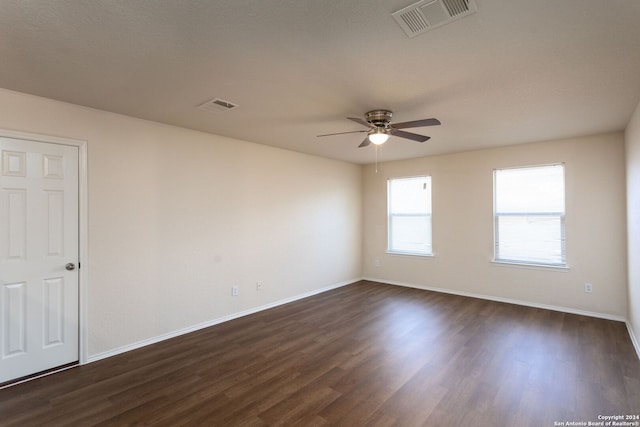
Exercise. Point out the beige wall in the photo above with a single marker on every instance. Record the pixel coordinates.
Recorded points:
(463, 226)
(176, 217)
(632, 137)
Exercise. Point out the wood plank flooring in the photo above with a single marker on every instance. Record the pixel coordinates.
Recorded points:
(366, 354)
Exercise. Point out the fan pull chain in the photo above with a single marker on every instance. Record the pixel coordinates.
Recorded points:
(376, 150)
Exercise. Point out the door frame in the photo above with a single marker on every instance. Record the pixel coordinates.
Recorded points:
(83, 230)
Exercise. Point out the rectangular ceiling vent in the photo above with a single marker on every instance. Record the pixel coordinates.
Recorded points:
(429, 14)
(216, 105)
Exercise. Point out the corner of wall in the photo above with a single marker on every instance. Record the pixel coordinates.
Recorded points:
(632, 157)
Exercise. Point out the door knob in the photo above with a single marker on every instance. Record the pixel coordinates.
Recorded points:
(70, 266)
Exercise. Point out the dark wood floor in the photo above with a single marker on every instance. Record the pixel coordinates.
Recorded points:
(366, 354)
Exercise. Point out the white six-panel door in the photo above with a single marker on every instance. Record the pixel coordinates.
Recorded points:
(38, 238)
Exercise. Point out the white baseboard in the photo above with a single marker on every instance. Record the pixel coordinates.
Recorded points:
(505, 300)
(144, 343)
(634, 340)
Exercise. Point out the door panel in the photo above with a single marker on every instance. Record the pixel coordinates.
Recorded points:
(53, 305)
(15, 246)
(14, 319)
(38, 236)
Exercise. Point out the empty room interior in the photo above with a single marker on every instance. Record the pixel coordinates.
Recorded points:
(371, 212)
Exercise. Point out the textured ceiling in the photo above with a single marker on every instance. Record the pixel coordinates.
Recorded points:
(514, 72)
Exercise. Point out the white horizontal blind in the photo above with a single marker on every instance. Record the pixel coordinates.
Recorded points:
(409, 215)
(529, 215)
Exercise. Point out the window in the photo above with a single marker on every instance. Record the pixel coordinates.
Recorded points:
(409, 215)
(529, 215)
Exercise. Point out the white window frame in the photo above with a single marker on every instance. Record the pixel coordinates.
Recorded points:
(391, 215)
(562, 264)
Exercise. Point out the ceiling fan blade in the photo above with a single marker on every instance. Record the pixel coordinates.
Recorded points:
(416, 124)
(409, 135)
(342, 133)
(365, 142)
(362, 122)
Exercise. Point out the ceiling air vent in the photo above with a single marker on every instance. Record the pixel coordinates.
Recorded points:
(217, 104)
(429, 14)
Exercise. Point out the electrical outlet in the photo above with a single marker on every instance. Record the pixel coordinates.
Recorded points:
(234, 291)
(588, 287)
(376, 263)
(258, 286)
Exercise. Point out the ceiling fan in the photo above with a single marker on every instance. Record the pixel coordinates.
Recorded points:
(380, 128)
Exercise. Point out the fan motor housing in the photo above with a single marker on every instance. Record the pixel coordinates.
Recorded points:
(379, 118)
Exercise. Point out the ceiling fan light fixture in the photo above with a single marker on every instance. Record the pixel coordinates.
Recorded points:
(379, 127)
(378, 137)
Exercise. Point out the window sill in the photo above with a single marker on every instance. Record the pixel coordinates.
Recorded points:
(416, 254)
(530, 265)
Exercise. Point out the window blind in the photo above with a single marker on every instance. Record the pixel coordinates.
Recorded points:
(409, 215)
(529, 215)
